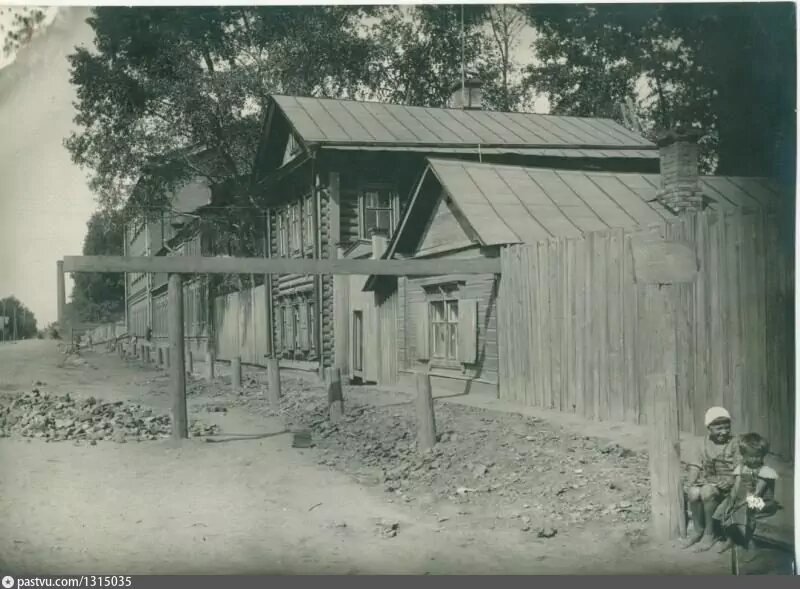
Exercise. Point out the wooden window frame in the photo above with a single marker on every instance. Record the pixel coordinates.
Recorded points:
(294, 214)
(446, 294)
(308, 226)
(363, 230)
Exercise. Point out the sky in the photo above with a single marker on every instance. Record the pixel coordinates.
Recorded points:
(44, 198)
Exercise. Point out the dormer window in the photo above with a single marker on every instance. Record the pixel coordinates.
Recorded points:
(293, 148)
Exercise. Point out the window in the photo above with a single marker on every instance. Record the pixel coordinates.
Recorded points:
(308, 227)
(294, 228)
(377, 211)
(444, 329)
(283, 234)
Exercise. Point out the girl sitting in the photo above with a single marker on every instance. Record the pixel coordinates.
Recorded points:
(752, 496)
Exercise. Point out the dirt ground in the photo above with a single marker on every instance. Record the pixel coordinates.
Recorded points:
(502, 494)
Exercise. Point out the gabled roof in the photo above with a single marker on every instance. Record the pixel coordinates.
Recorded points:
(512, 204)
(342, 123)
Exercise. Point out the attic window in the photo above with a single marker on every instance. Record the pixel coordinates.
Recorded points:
(292, 148)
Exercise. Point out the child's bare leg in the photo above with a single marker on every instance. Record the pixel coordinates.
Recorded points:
(710, 497)
(698, 516)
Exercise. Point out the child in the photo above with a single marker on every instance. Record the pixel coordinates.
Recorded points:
(753, 493)
(710, 462)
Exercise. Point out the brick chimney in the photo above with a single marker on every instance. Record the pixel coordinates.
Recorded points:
(380, 241)
(680, 184)
(469, 95)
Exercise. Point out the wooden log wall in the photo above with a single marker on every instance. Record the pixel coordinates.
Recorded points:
(569, 332)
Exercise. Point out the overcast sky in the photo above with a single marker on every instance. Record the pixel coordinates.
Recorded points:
(44, 198)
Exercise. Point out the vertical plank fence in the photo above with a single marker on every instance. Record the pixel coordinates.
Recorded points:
(569, 335)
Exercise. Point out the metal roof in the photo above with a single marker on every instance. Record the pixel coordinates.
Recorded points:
(349, 122)
(513, 204)
(524, 151)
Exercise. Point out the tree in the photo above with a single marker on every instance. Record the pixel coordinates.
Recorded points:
(25, 22)
(99, 297)
(417, 52)
(162, 80)
(20, 321)
(504, 87)
(717, 67)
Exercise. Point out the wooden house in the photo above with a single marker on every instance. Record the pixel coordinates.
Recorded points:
(560, 328)
(336, 173)
(174, 229)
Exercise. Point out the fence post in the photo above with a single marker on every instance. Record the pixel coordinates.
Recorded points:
(658, 267)
(426, 421)
(274, 386)
(236, 374)
(335, 399)
(211, 359)
(177, 369)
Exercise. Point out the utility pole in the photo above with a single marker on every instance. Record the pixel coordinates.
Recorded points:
(15, 324)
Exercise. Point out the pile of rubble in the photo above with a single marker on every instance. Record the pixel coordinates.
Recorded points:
(61, 417)
(520, 465)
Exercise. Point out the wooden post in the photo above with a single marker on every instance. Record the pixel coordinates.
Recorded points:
(658, 267)
(426, 422)
(189, 363)
(167, 357)
(180, 427)
(147, 354)
(211, 360)
(335, 399)
(62, 298)
(236, 374)
(274, 375)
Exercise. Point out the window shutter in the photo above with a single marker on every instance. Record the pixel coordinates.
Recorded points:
(467, 331)
(304, 327)
(422, 330)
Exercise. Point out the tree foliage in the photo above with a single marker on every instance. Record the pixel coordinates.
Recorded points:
(100, 297)
(25, 22)
(721, 68)
(21, 322)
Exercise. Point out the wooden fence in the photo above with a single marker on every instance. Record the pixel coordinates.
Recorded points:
(569, 316)
(241, 323)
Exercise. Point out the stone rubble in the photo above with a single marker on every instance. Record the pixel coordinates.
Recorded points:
(56, 418)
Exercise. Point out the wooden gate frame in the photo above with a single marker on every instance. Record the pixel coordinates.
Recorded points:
(176, 266)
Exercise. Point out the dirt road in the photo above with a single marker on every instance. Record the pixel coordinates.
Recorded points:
(250, 503)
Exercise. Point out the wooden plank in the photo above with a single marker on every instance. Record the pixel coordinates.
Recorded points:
(221, 265)
(760, 323)
(738, 283)
(570, 342)
(565, 323)
(579, 334)
(468, 330)
(701, 326)
(502, 331)
(716, 342)
(616, 368)
(629, 329)
(544, 324)
(555, 322)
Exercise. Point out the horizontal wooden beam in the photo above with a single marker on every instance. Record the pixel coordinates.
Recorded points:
(220, 265)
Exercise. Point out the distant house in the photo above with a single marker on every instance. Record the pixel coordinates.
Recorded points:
(173, 229)
(335, 173)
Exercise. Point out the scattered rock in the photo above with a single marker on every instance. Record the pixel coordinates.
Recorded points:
(546, 532)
